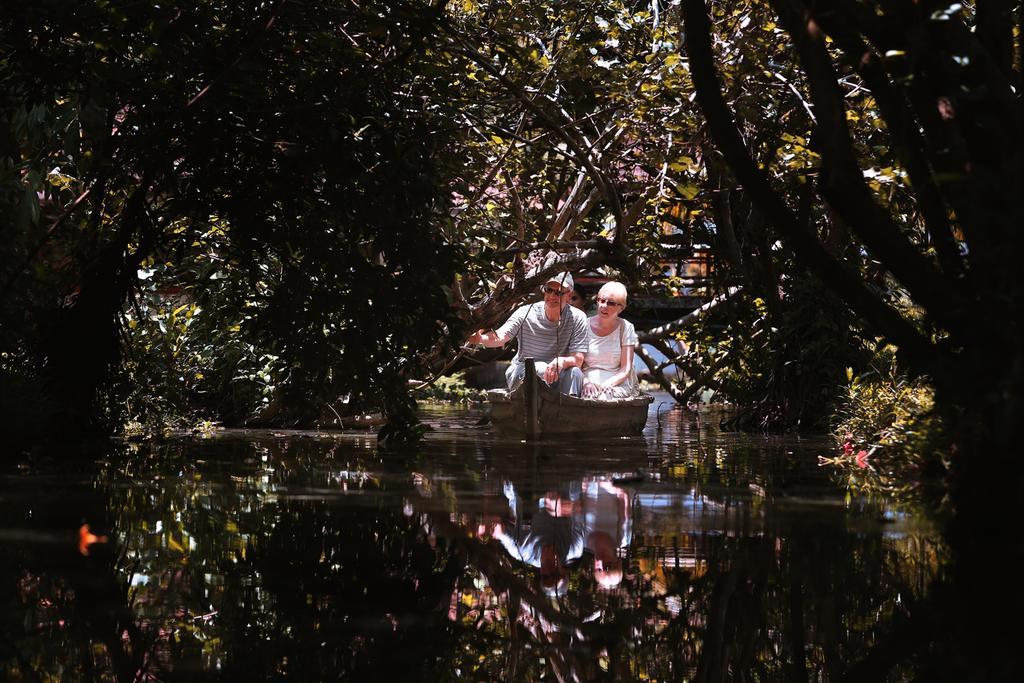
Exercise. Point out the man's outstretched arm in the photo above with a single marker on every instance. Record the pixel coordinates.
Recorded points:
(488, 338)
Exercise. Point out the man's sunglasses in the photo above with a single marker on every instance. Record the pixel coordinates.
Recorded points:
(555, 291)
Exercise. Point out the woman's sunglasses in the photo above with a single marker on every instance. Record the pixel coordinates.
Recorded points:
(608, 302)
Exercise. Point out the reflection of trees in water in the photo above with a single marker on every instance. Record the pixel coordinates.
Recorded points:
(762, 607)
(697, 605)
(745, 612)
(250, 561)
(65, 615)
(269, 571)
(288, 577)
(368, 587)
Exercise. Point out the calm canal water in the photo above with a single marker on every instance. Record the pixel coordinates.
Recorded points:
(688, 554)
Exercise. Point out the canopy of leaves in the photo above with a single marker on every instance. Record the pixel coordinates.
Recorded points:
(267, 167)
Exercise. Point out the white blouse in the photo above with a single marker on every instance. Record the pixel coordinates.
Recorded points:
(604, 354)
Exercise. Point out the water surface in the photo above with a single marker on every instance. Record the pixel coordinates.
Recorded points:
(688, 554)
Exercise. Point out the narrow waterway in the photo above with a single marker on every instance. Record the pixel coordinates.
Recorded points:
(687, 554)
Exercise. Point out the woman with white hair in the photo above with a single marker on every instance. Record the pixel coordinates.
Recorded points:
(608, 363)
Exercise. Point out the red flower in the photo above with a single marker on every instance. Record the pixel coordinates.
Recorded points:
(862, 459)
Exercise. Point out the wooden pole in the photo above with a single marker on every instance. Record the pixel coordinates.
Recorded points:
(530, 382)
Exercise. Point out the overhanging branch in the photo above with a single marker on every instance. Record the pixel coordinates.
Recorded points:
(904, 132)
(845, 189)
(836, 274)
(691, 318)
(507, 294)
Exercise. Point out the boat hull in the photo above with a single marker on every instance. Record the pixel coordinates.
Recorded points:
(563, 415)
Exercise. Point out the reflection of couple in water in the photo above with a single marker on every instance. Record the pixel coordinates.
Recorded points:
(591, 515)
(552, 530)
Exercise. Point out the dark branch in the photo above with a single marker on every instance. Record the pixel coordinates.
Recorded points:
(844, 188)
(691, 318)
(905, 134)
(508, 294)
(836, 274)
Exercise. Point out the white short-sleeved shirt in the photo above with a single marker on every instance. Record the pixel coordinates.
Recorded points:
(543, 339)
(604, 354)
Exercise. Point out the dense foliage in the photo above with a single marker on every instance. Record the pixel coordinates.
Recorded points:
(259, 222)
(251, 212)
(890, 437)
(241, 197)
(280, 213)
(944, 83)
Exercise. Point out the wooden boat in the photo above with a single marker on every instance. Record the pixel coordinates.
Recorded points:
(534, 409)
